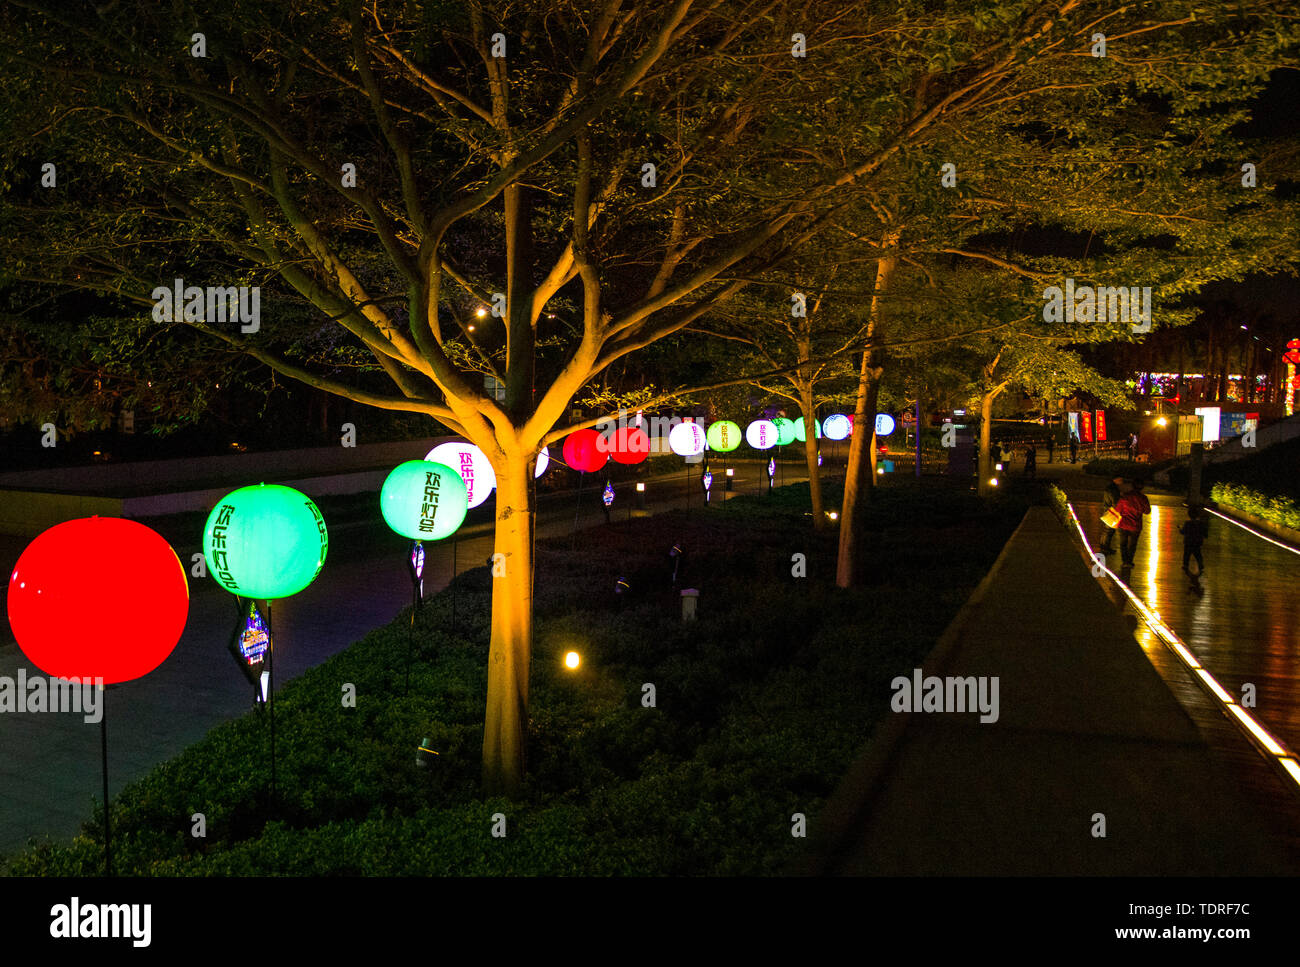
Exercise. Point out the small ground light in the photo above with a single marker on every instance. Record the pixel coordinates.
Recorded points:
(1161, 422)
(993, 481)
(880, 470)
(832, 515)
(999, 466)
(640, 488)
(571, 660)
(423, 752)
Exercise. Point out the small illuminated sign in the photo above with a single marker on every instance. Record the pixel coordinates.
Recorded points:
(255, 639)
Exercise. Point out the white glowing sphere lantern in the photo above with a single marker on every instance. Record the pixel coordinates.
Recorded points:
(471, 465)
(836, 426)
(761, 434)
(686, 439)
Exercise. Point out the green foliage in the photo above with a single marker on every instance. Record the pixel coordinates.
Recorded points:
(1280, 510)
(1060, 503)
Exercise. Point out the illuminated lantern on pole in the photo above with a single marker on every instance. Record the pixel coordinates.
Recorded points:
(884, 424)
(631, 445)
(424, 501)
(836, 427)
(784, 431)
(686, 439)
(120, 624)
(583, 450)
(543, 461)
(761, 434)
(471, 465)
(723, 436)
(266, 541)
(799, 432)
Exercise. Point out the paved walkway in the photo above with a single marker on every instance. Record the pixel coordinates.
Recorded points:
(1086, 726)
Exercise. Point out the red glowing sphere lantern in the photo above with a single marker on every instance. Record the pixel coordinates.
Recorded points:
(631, 445)
(583, 450)
(116, 624)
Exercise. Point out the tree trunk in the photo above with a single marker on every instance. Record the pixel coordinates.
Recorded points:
(861, 458)
(864, 430)
(1249, 374)
(510, 650)
(810, 455)
(985, 462)
(1178, 387)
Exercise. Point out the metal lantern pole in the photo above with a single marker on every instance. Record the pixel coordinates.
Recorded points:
(416, 561)
(270, 691)
(577, 504)
(103, 756)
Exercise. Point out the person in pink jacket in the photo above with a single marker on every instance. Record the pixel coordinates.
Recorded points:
(1132, 506)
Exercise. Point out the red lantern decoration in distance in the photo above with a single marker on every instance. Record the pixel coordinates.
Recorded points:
(117, 624)
(631, 445)
(582, 450)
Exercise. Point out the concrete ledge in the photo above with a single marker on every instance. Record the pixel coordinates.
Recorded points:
(26, 513)
(155, 476)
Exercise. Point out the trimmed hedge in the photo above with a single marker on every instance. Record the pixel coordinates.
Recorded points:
(1279, 510)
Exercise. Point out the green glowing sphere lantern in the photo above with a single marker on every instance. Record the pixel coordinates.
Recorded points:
(800, 432)
(266, 541)
(724, 436)
(424, 501)
(784, 431)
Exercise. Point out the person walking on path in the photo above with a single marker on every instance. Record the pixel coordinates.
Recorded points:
(1109, 498)
(1132, 447)
(1031, 462)
(1194, 530)
(1074, 448)
(1132, 506)
(1051, 445)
